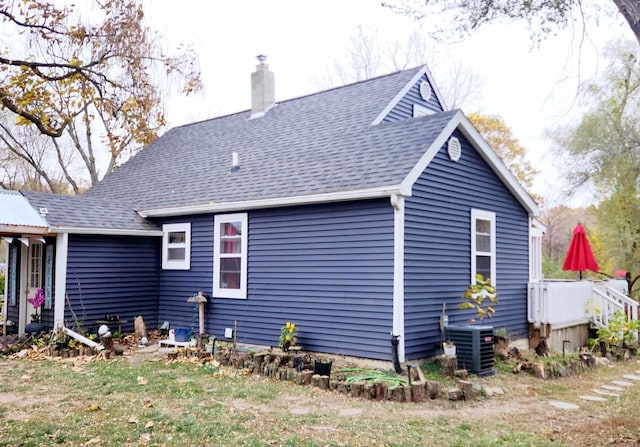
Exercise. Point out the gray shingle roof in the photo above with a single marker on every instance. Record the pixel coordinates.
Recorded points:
(315, 144)
(88, 212)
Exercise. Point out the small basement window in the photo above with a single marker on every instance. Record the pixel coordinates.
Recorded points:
(176, 246)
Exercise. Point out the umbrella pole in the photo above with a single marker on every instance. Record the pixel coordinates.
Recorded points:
(580, 275)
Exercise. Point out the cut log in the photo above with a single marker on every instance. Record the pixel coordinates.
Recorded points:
(467, 389)
(356, 389)
(454, 394)
(433, 389)
(139, 327)
(306, 377)
(369, 391)
(418, 392)
(396, 393)
(381, 391)
(315, 380)
(324, 382)
(448, 364)
(407, 393)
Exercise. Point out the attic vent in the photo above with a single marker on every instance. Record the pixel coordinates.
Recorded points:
(454, 149)
(425, 90)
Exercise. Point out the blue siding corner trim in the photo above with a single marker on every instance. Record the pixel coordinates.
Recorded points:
(438, 248)
(404, 109)
(112, 275)
(328, 268)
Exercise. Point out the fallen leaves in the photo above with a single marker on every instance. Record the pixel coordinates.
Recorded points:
(142, 380)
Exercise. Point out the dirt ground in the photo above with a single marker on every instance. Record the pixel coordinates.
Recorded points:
(526, 405)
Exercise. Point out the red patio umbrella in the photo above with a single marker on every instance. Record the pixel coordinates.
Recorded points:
(579, 256)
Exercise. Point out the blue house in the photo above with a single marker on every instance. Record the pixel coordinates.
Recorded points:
(358, 213)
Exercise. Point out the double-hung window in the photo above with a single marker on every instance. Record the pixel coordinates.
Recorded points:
(483, 245)
(230, 256)
(176, 246)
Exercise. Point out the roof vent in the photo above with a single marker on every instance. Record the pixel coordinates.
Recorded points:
(425, 90)
(235, 162)
(262, 88)
(43, 211)
(454, 149)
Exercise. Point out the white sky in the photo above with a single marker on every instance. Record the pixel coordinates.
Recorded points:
(531, 89)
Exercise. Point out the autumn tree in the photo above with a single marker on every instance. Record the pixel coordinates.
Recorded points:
(542, 16)
(605, 149)
(84, 79)
(506, 146)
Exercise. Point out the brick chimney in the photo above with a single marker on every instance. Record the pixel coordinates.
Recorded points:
(262, 89)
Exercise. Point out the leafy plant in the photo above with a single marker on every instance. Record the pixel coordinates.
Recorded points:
(481, 296)
(36, 301)
(619, 331)
(288, 336)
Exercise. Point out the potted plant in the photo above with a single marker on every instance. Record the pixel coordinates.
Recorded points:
(36, 301)
(288, 336)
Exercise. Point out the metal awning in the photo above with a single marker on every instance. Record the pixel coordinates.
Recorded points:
(17, 216)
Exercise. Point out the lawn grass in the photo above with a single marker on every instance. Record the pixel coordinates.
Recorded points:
(154, 403)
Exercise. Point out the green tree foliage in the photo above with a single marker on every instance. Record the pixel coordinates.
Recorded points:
(90, 76)
(605, 149)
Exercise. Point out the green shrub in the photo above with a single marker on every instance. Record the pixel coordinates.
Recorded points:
(1, 282)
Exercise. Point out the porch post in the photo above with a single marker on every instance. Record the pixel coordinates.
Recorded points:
(397, 202)
(6, 289)
(62, 242)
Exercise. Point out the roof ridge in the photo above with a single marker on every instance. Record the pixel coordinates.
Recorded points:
(351, 84)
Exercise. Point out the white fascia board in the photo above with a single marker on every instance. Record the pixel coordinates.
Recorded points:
(535, 223)
(106, 231)
(396, 99)
(418, 169)
(224, 207)
(474, 137)
(461, 122)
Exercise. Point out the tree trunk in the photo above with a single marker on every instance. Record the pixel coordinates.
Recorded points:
(630, 9)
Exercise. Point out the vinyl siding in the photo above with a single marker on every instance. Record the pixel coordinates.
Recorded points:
(112, 275)
(328, 268)
(438, 248)
(404, 109)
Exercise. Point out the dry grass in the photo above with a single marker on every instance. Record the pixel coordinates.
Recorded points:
(154, 403)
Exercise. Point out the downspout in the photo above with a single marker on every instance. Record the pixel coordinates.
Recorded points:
(397, 332)
(395, 340)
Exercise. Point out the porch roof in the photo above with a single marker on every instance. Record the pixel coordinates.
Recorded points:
(17, 216)
(82, 214)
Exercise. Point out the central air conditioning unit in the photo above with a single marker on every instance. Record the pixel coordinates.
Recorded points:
(474, 348)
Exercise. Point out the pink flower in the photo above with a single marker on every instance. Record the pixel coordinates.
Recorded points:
(37, 300)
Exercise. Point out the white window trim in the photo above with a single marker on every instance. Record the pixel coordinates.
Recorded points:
(491, 217)
(420, 110)
(219, 292)
(172, 264)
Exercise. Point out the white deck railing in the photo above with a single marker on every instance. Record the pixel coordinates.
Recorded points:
(567, 303)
